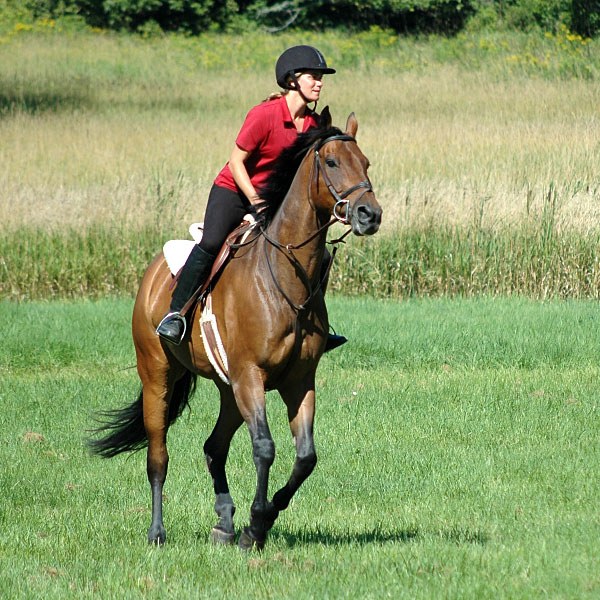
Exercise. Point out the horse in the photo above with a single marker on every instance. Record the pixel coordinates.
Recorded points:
(272, 318)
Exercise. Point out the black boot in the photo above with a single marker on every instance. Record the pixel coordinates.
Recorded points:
(334, 340)
(194, 273)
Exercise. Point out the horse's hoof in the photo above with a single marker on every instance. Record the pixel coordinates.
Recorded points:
(158, 540)
(247, 542)
(157, 536)
(221, 538)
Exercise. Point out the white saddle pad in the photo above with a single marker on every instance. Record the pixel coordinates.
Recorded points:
(177, 251)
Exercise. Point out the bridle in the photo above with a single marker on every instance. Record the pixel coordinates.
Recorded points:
(340, 198)
(340, 203)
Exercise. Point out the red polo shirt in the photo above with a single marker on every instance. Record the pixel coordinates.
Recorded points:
(267, 130)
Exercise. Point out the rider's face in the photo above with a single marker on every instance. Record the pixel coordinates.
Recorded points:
(310, 84)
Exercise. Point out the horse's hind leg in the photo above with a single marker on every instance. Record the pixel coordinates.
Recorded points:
(216, 449)
(157, 388)
(157, 460)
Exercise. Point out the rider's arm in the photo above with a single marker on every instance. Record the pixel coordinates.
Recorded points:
(237, 167)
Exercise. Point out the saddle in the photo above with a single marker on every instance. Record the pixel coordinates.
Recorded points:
(176, 253)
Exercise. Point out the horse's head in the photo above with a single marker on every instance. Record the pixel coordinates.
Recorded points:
(341, 186)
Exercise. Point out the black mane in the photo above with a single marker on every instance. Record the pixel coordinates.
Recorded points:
(277, 185)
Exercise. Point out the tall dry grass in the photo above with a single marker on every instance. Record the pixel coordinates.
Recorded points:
(126, 134)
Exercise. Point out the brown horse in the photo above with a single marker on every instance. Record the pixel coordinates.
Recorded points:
(271, 315)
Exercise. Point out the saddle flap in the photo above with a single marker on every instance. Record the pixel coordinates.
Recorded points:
(237, 236)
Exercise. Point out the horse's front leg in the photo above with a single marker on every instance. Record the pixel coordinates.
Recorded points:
(250, 397)
(216, 450)
(300, 402)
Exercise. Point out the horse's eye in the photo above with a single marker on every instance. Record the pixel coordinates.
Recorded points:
(331, 162)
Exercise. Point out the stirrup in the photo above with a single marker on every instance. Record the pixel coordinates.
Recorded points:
(172, 316)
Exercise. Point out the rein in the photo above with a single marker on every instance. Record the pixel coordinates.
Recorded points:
(340, 198)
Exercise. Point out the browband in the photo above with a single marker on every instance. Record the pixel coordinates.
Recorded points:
(340, 136)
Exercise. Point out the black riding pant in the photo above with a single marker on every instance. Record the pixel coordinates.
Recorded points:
(225, 210)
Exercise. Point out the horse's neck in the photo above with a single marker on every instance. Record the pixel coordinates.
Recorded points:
(296, 221)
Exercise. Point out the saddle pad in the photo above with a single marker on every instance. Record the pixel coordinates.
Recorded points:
(177, 251)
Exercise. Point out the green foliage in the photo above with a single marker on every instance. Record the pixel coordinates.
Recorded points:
(75, 264)
(405, 16)
(581, 16)
(13, 10)
(190, 16)
(526, 14)
(419, 262)
(585, 18)
(400, 15)
(468, 261)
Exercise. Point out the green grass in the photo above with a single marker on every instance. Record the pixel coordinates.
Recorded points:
(433, 260)
(458, 456)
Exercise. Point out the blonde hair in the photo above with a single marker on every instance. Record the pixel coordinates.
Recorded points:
(275, 96)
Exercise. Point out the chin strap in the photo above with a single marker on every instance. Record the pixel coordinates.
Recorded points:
(296, 88)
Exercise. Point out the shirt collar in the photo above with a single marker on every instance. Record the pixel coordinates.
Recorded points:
(285, 111)
(287, 116)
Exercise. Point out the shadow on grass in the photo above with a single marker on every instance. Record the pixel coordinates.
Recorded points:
(375, 536)
(71, 96)
(329, 538)
(464, 536)
(36, 102)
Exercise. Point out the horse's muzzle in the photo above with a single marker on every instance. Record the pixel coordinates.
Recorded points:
(366, 217)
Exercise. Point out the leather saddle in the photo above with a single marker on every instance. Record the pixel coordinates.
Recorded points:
(234, 239)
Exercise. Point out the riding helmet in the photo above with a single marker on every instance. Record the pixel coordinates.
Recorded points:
(298, 59)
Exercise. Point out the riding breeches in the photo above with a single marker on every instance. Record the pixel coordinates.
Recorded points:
(225, 210)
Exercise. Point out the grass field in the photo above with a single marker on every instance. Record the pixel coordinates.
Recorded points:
(458, 439)
(458, 458)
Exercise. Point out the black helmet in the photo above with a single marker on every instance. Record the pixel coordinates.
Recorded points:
(297, 59)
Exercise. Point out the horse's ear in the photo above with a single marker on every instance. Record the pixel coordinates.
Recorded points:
(351, 125)
(325, 119)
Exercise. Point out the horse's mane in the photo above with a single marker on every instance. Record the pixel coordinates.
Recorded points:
(284, 170)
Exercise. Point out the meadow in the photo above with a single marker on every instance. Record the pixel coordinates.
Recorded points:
(484, 151)
(457, 432)
(458, 456)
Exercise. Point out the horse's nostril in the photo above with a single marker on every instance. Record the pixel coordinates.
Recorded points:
(365, 214)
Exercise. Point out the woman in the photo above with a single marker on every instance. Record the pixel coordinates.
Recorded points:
(269, 128)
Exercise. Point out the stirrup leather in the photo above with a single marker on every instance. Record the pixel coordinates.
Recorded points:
(173, 316)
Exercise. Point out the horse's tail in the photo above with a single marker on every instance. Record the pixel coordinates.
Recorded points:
(125, 426)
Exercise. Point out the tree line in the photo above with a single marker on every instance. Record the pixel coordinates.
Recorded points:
(402, 16)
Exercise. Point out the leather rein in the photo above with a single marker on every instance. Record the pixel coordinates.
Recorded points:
(341, 214)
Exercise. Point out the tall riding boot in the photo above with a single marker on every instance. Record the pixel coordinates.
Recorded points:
(333, 339)
(194, 273)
